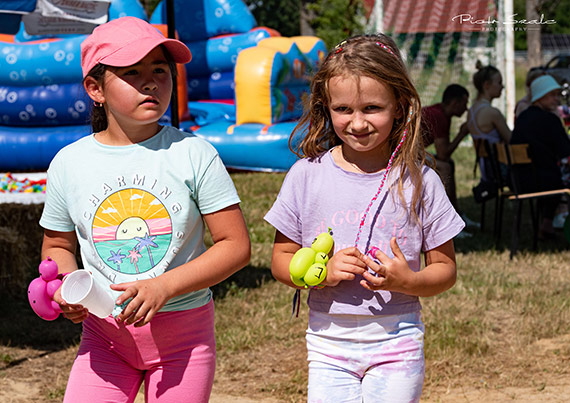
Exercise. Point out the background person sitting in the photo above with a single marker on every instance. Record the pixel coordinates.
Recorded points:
(483, 120)
(436, 124)
(523, 103)
(548, 143)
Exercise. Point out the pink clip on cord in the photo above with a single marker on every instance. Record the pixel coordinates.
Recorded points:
(372, 252)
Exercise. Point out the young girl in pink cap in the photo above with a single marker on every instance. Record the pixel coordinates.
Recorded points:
(363, 176)
(135, 196)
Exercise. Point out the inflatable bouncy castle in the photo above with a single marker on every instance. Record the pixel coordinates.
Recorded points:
(243, 90)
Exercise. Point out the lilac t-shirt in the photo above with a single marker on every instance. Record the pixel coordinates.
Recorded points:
(317, 194)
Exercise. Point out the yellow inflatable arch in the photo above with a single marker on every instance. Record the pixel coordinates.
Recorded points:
(272, 78)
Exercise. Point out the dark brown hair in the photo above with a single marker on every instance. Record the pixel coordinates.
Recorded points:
(98, 115)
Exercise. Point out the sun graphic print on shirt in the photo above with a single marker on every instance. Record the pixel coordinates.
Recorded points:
(132, 231)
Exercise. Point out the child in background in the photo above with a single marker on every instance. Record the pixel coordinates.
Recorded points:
(136, 195)
(363, 175)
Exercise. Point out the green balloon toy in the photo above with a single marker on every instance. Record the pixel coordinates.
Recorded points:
(322, 257)
(323, 242)
(316, 273)
(308, 265)
(301, 261)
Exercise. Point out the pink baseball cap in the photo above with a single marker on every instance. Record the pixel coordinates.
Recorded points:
(125, 41)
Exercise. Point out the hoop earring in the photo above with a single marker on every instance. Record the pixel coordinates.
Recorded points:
(97, 104)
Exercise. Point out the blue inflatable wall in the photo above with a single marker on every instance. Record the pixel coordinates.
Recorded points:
(43, 106)
(202, 19)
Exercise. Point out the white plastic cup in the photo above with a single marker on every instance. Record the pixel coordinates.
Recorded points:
(79, 288)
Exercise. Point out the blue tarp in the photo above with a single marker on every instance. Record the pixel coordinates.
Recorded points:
(21, 6)
(11, 12)
(52, 17)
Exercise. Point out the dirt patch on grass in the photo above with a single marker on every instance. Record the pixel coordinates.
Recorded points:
(271, 374)
(36, 357)
(32, 375)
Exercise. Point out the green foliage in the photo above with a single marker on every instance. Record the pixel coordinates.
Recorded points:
(281, 15)
(519, 8)
(332, 20)
(335, 20)
(149, 6)
(556, 10)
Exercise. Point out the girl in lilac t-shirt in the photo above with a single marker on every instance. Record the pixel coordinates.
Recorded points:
(363, 175)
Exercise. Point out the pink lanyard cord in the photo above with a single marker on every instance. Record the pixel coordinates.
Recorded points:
(363, 220)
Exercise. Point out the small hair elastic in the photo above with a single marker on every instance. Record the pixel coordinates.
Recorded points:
(386, 48)
(362, 221)
(339, 48)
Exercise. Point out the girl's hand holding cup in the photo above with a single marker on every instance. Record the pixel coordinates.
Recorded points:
(80, 292)
(73, 312)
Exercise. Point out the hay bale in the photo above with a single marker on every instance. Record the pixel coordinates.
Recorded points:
(20, 245)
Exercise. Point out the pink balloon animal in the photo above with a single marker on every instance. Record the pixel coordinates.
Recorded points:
(42, 289)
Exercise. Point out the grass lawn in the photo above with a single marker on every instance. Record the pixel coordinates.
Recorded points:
(480, 333)
(505, 324)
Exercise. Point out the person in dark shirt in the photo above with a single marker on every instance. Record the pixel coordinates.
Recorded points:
(540, 128)
(436, 125)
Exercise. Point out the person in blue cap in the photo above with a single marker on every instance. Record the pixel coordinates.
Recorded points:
(548, 142)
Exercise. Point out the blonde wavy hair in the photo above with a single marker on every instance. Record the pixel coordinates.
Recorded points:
(377, 57)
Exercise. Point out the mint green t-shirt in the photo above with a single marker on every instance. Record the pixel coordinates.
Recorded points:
(137, 209)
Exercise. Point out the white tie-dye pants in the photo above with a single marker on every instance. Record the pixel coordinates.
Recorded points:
(354, 358)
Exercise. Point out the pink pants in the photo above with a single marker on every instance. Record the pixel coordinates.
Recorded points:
(175, 355)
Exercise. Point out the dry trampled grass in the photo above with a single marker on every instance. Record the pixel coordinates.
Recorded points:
(505, 326)
(502, 333)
